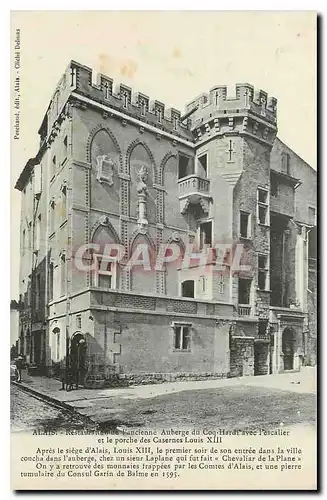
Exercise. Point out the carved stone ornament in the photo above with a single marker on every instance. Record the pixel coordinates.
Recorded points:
(105, 169)
(142, 176)
(104, 220)
(142, 191)
(175, 236)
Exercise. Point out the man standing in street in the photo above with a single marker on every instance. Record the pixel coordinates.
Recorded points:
(19, 366)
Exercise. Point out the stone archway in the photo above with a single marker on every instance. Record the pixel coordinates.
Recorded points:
(288, 348)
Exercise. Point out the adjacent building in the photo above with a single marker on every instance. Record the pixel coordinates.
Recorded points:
(116, 168)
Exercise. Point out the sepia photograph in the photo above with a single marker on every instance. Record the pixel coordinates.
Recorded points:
(163, 308)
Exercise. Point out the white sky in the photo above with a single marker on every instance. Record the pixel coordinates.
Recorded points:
(172, 57)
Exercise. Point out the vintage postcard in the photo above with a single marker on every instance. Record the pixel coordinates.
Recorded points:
(164, 270)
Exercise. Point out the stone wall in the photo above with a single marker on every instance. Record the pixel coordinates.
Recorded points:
(241, 357)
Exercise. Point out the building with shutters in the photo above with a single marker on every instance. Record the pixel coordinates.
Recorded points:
(115, 168)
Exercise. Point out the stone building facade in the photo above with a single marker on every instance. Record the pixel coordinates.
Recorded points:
(115, 168)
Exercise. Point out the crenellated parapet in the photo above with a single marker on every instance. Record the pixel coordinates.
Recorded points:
(80, 80)
(251, 111)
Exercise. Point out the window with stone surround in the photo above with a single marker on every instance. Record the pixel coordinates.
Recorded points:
(188, 288)
(105, 272)
(203, 165)
(244, 290)
(263, 272)
(205, 234)
(203, 284)
(182, 337)
(263, 206)
(312, 216)
(245, 224)
(185, 166)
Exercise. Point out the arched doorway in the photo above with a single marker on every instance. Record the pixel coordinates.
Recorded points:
(77, 358)
(288, 344)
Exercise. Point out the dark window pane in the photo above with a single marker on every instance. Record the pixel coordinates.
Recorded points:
(177, 337)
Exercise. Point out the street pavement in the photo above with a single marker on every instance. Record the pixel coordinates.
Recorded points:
(272, 400)
(28, 413)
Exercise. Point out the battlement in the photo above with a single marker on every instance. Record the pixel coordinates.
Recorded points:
(216, 103)
(101, 88)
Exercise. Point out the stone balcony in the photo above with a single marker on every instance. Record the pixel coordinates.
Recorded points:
(244, 309)
(194, 189)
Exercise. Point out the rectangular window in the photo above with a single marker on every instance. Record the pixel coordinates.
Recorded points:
(312, 216)
(263, 206)
(182, 337)
(63, 275)
(125, 98)
(274, 187)
(263, 196)
(244, 291)
(205, 234)
(184, 166)
(263, 272)
(245, 225)
(203, 284)
(79, 322)
(105, 272)
(285, 159)
(203, 165)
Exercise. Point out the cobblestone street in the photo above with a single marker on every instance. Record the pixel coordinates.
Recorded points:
(29, 413)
